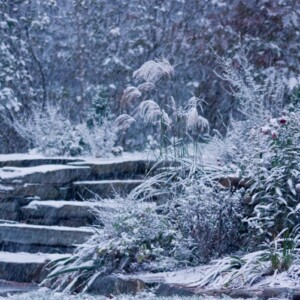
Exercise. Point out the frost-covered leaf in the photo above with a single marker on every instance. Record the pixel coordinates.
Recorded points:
(278, 191)
(291, 186)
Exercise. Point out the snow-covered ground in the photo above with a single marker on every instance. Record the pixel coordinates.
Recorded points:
(44, 294)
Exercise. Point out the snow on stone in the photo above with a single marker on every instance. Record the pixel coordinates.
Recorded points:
(27, 156)
(125, 157)
(23, 257)
(187, 276)
(6, 188)
(16, 172)
(95, 182)
(56, 228)
(59, 204)
(209, 152)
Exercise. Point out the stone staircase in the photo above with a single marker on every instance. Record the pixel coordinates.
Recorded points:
(46, 207)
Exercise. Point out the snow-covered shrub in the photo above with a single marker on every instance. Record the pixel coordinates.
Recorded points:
(134, 236)
(258, 101)
(275, 198)
(263, 148)
(206, 218)
(98, 134)
(97, 141)
(255, 97)
(52, 133)
(49, 132)
(193, 220)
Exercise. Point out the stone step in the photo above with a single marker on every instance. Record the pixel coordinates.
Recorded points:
(64, 213)
(118, 168)
(25, 267)
(44, 174)
(77, 190)
(30, 190)
(10, 209)
(104, 188)
(9, 288)
(18, 237)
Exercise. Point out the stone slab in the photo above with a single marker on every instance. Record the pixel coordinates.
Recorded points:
(24, 267)
(45, 174)
(104, 188)
(32, 238)
(26, 161)
(64, 213)
(41, 191)
(114, 285)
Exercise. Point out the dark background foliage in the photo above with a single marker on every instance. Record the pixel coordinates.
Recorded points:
(61, 52)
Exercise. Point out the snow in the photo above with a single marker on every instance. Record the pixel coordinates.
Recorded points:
(16, 172)
(190, 277)
(187, 276)
(46, 294)
(116, 181)
(59, 204)
(125, 157)
(6, 188)
(24, 257)
(56, 228)
(27, 156)
(209, 153)
(292, 83)
(282, 280)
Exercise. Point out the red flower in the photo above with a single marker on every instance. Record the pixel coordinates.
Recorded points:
(282, 120)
